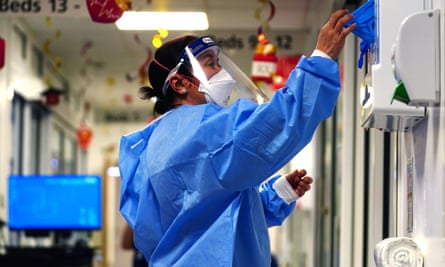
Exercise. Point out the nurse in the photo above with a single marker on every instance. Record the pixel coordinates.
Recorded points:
(195, 187)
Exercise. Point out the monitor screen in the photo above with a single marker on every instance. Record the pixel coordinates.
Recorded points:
(54, 202)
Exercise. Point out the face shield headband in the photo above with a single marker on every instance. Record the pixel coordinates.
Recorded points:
(220, 79)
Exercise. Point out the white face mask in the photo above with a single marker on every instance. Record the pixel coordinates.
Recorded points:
(219, 88)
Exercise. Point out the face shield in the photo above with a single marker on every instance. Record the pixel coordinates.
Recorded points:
(220, 79)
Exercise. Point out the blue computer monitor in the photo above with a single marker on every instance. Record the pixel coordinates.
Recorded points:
(54, 202)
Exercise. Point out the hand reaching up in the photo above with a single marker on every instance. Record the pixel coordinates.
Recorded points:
(331, 38)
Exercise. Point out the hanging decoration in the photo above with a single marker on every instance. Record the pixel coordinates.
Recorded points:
(51, 96)
(124, 5)
(128, 98)
(84, 135)
(107, 11)
(131, 76)
(2, 52)
(86, 108)
(111, 82)
(264, 4)
(142, 70)
(111, 85)
(56, 60)
(264, 65)
(157, 38)
(86, 47)
(89, 62)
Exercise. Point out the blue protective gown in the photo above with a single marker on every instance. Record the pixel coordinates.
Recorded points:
(193, 181)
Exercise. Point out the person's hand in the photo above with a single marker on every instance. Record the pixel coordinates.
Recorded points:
(331, 38)
(299, 181)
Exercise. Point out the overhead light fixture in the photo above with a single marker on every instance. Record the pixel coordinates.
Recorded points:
(144, 20)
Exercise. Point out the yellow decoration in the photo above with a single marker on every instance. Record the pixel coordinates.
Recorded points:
(46, 45)
(163, 33)
(157, 38)
(262, 38)
(48, 21)
(58, 63)
(124, 5)
(58, 33)
(111, 82)
(257, 13)
(48, 81)
(156, 41)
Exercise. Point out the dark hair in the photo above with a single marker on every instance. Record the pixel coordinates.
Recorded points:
(165, 59)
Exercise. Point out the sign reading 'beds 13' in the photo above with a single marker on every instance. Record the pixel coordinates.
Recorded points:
(42, 7)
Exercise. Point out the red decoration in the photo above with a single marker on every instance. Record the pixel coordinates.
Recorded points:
(264, 64)
(2, 52)
(285, 65)
(128, 99)
(84, 135)
(104, 11)
(52, 96)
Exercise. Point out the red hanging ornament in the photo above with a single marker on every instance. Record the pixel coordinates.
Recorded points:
(264, 65)
(52, 96)
(2, 52)
(104, 11)
(84, 135)
(128, 99)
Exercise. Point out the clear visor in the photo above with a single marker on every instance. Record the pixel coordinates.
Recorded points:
(220, 79)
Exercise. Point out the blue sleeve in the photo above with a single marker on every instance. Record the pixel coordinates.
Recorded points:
(267, 136)
(275, 208)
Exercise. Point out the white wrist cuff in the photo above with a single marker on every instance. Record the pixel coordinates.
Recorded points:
(284, 190)
(319, 53)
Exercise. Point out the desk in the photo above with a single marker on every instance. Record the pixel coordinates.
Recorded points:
(47, 257)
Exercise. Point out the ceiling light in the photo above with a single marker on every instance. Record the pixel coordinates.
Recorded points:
(141, 20)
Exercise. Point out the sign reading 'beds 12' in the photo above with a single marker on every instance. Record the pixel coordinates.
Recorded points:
(43, 7)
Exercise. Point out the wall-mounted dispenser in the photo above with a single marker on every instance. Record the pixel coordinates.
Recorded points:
(416, 58)
(378, 108)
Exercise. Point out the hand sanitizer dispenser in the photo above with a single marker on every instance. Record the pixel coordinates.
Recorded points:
(416, 58)
(378, 108)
